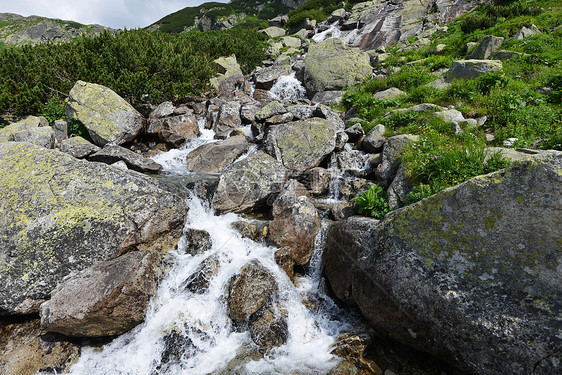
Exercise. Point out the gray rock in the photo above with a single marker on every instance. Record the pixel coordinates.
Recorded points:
(78, 147)
(164, 109)
(270, 329)
(303, 144)
(335, 117)
(60, 214)
(7, 133)
(341, 140)
(439, 84)
(198, 281)
(391, 93)
(217, 156)
(279, 119)
(336, 15)
(295, 223)
(279, 21)
(266, 77)
(174, 128)
(291, 41)
(486, 47)
(272, 109)
(248, 183)
(107, 116)
(393, 147)
(464, 273)
(273, 31)
(62, 129)
(43, 136)
(113, 153)
(505, 55)
(526, 32)
(331, 65)
(419, 108)
(355, 133)
(450, 116)
(398, 190)
(251, 289)
(228, 119)
(301, 112)
(248, 111)
(328, 98)
(106, 299)
(470, 69)
(317, 180)
(374, 140)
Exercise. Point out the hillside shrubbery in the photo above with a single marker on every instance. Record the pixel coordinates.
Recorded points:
(132, 63)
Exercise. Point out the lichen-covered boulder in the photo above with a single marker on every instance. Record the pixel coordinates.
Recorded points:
(487, 46)
(106, 299)
(43, 136)
(392, 149)
(248, 183)
(106, 115)
(302, 145)
(78, 147)
(465, 274)
(331, 65)
(7, 133)
(470, 69)
(59, 214)
(228, 119)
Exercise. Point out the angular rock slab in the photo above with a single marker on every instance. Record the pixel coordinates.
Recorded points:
(106, 115)
(107, 299)
(470, 69)
(302, 145)
(59, 214)
(248, 183)
(217, 156)
(331, 65)
(468, 273)
(7, 133)
(113, 153)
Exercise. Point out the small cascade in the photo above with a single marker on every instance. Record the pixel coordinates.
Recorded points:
(190, 332)
(332, 32)
(288, 88)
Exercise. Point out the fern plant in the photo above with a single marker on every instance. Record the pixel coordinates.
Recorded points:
(372, 202)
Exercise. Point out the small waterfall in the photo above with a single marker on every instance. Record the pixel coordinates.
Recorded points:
(332, 32)
(288, 88)
(198, 323)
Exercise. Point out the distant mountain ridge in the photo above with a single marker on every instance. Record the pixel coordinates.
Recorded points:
(216, 16)
(17, 30)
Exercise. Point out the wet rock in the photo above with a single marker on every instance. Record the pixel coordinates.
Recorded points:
(317, 180)
(331, 65)
(178, 345)
(255, 230)
(248, 111)
(195, 241)
(228, 119)
(454, 275)
(355, 133)
(248, 183)
(266, 77)
(26, 349)
(263, 95)
(374, 140)
(486, 47)
(198, 281)
(61, 214)
(285, 261)
(106, 299)
(393, 147)
(250, 290)
(295, 222)
(352, 162)
(169, 128)
(470, 69)
(217, 156)
(341, 140)
(78, 147)
(112, 153)
(107, 116)
(353, 186)
(303, 144)
(350, 346)
(301, 112)
(270, 329)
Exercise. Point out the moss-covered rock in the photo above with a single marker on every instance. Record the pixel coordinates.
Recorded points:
(302, 145)
(107, 116)
(471, 274)
(59, 214)
(331, 65)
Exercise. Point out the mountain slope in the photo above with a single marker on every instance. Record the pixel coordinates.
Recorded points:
(18, 30)
(215, 15)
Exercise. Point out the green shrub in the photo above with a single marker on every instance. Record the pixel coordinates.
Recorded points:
(76, 127)
(372, 202)
(53, 110)
(420, 192)
(488, 81)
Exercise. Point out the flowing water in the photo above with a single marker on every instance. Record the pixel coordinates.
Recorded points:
(288, 88)
(199, 323)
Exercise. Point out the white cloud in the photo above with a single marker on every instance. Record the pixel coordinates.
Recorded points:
(113, 13)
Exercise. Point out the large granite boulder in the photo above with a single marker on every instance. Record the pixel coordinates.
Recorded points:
(228, 119)
(106, 115)
(216, 156)
(302, 145)
(59, 214)
(470, 69)
(487, 46)
(7, 133)
(43, 136)
(393, 148)
(331, 65)
(471, 274)
(248, 183)
(106, 299)
(266, 77)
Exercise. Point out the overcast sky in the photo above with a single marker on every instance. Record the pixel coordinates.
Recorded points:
(113, 13)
